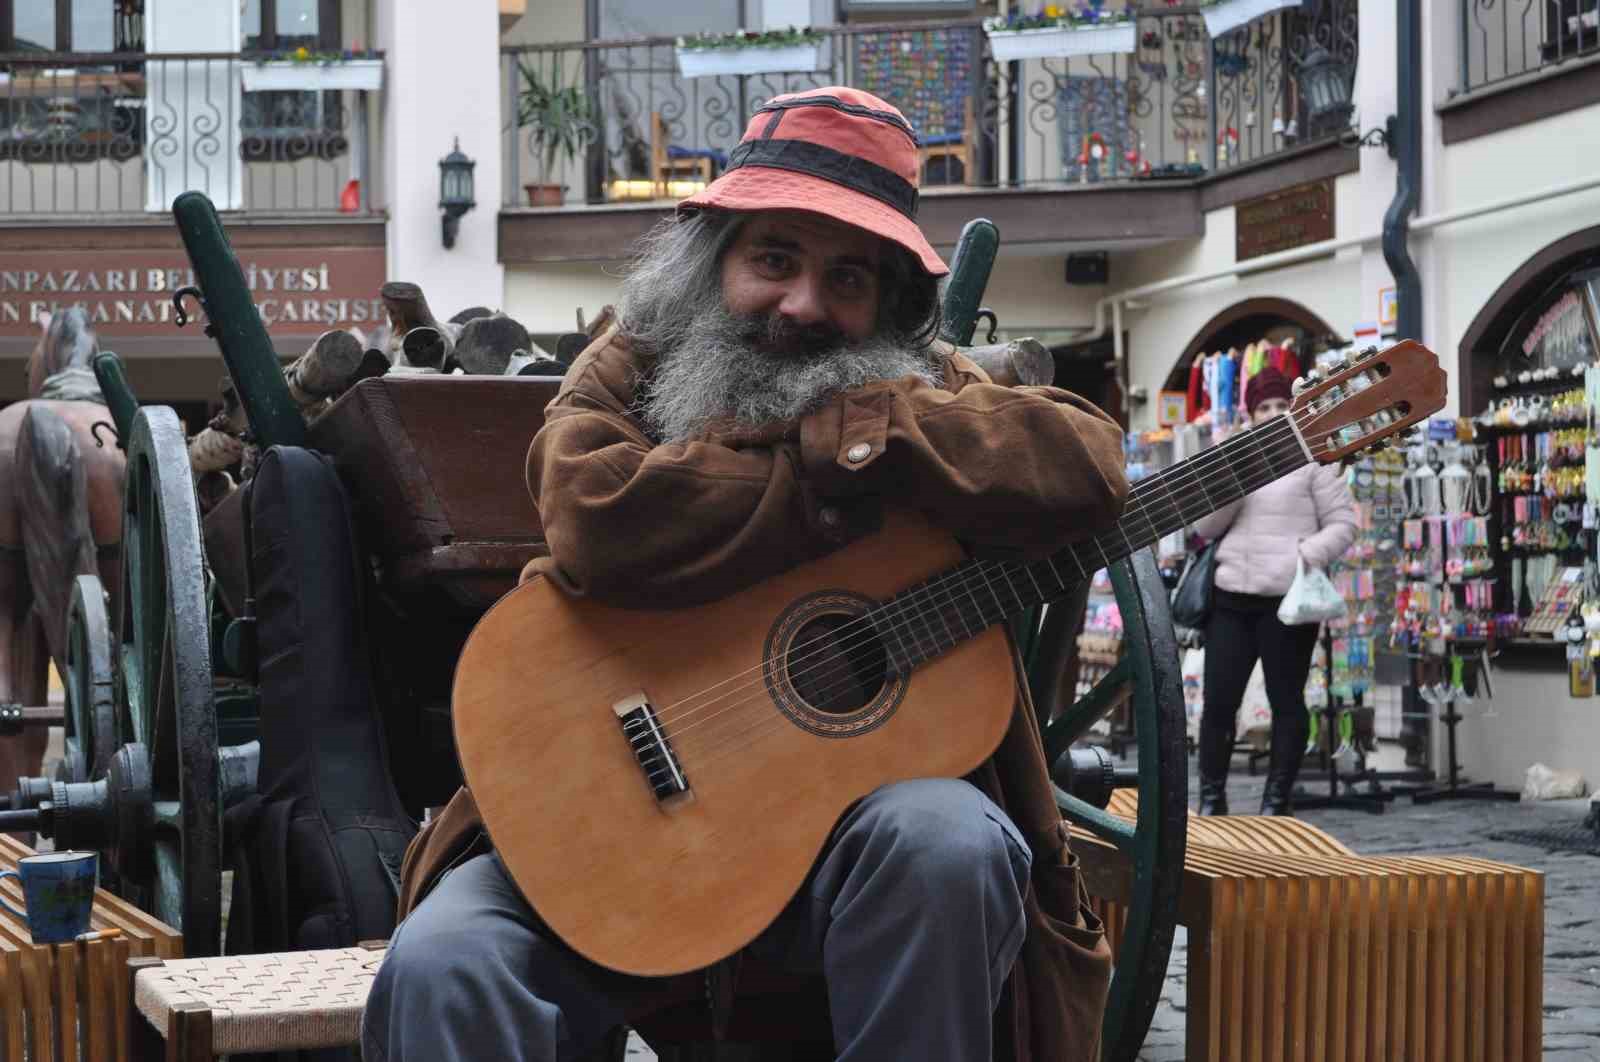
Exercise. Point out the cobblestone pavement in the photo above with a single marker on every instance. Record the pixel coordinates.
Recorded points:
(1572, 904)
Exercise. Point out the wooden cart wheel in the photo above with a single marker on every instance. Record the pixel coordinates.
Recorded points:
(90, 719)
(1155, 842)
(164, 686)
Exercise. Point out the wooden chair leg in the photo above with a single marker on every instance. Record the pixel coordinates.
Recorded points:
(189, 1034)
(144, 1042)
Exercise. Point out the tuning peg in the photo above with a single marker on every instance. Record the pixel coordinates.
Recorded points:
(1370, 352)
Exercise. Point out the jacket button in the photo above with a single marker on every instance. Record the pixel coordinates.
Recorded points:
(858, 453)
(829, 516)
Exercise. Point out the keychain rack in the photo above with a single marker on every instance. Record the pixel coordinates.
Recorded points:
(1377, 798)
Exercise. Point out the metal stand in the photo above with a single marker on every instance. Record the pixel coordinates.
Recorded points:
(1376, 798)
(1373, 801)
(1455, 788)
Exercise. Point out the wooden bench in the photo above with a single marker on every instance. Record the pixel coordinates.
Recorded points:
(186, 1010)
(66, 1002)
(193, 1009)
(1302, 949)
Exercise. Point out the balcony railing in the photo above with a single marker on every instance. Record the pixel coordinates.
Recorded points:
(123, 133)
(1503, 39)
(629, 125)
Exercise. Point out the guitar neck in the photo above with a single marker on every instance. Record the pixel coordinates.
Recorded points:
(927, 619)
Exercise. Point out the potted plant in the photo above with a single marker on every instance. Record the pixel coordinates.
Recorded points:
(1053, 32)
(744, 52)
(303, 70)
(1224, 15)
(559, 120)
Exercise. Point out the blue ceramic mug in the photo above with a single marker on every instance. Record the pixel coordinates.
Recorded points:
(58, 888)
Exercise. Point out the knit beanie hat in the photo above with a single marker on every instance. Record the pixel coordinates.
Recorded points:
(1268, 383)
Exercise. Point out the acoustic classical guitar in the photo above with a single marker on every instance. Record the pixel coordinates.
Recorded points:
(658, 783)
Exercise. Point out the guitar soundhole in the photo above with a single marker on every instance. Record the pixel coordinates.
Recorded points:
(825, 668)
(837, 664)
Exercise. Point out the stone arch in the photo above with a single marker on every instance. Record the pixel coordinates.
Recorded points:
(1242, 317)
(1531, 282)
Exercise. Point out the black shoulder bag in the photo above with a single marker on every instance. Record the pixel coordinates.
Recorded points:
(1191, 601)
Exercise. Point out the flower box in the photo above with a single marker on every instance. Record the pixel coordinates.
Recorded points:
(1055, 41)
(1231, 14)
(783, 58)
(284, 75)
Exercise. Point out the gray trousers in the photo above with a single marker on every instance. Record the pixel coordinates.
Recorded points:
(913, 915)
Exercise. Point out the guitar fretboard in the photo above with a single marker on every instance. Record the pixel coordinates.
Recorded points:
(925, 620)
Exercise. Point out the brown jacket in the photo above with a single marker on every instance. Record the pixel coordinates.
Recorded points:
(1011, 471)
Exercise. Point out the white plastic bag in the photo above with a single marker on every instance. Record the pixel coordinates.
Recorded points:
(1543, 783)
(1255, 709)
(1312, 598)
(1194, 678)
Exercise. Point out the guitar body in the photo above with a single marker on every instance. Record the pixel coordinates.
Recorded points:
(655, 885)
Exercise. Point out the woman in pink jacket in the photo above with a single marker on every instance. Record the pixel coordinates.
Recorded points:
(1309, 514)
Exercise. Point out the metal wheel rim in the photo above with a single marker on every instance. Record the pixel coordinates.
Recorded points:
(90, 719)
(1156, 843)
(165, 692)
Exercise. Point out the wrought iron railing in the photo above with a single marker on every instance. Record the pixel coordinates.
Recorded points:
(123, 133)
(602, 121)
(1503, 39)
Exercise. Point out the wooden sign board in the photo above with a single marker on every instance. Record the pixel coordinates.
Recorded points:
(1284, 220)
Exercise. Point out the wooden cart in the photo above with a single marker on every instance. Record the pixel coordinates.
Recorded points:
(163, 714)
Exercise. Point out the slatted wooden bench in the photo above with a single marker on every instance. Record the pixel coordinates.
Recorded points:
(68, 1002)
(1301, 949)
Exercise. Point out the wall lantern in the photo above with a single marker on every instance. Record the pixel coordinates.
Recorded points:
(455, 190)
(1326, 84)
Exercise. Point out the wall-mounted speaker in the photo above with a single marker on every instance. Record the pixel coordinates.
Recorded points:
(1093, 267)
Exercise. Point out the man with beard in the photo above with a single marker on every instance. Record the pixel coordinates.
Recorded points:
(769, 385)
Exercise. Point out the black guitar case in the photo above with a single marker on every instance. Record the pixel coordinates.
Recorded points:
(318, 848)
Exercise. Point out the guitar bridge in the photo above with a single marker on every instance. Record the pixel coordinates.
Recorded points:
(662, 772)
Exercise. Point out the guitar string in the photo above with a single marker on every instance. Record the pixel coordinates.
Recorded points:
(712, 736)
(756, 731)
(676, 713)
(951, 587)
(964, 579)
(697, 756)
(960, 580)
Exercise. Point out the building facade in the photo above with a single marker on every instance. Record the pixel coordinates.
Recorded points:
(1201, 191)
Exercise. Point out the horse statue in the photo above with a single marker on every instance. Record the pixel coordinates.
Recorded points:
(60, 517)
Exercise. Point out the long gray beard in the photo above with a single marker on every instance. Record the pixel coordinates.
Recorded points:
(718, 375)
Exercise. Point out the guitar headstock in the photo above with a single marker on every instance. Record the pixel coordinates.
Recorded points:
(1371, 397)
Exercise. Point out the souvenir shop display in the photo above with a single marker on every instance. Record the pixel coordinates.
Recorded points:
(1217, 381)
(1099, 649)
(1497, 543)
(1540, 500)
(1343, 669)
(1148, 452)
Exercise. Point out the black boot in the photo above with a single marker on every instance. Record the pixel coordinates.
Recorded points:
(1275, 797)
(1288, 748)
(1214, 796)
(1216, 748)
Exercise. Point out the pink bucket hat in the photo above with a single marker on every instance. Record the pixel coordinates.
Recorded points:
(838, 152)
